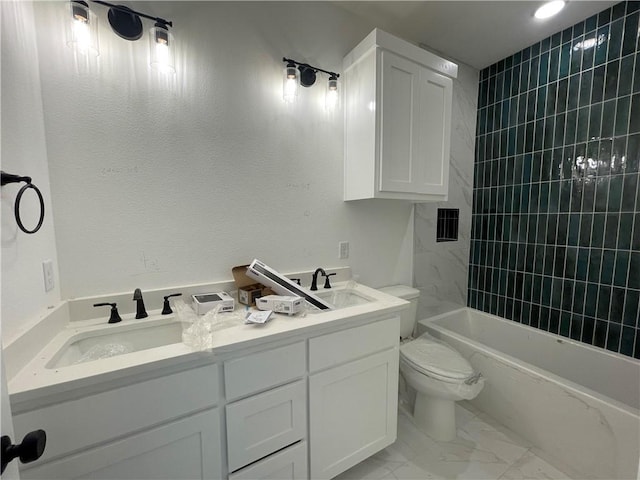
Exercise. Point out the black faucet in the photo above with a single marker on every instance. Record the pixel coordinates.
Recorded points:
(326, 279)
(166, 308)
(115, 317)
(140, 311)
(314, 278)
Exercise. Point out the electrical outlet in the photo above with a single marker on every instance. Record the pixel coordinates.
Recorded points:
(47, 271)
(343, 250)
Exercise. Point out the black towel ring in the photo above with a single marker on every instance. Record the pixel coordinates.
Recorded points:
(10, 178)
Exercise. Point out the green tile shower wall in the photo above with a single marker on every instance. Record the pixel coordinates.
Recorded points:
(556, 206)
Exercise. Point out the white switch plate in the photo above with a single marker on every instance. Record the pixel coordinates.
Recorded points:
(343, 250)
(47, 271)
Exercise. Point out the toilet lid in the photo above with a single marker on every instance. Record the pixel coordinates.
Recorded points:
(429, 356)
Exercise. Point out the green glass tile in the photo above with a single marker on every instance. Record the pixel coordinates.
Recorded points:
(615, 193)
(602, 45)
(597, 89)
(576, 327)
(591, 300)
(595, 120)
(573, 92)
(621, 271)
(565, 60)
(515, 80)
(565, 196)
(626, 341)
(604, 17)
(524, 76)
(630, 36)
(543, 319)
(531, 106)
(634, 271)
(602, 192)
(611, 80)
(588, 330)
(579, 289)
(561, 100)
(632, 6)
(629, 190)
(570, 263)
(622, 116)
(604, 302)
(608, 118)
(626, 76)
(567, 35)
(533, 72)
(631, 308)
(582, 263)
(588, 54)
(597, 234)
(576, 195)
(606, 269)
(573, 231)
(624, 231)
(543, 72)
(551, 94)
(618, 11)
(586, 80)
(565, 324)
(578, 30)
(617, 304)
(611, 230)
(636, 74)
(582, 129)
(613, 337)
(562, 230)
(615, 39)
(556, 39)
(538, 135)
(634, 117)
(633, 153)
(545, 45)
(556, 293)
(535, 49)
(590, 23)
(570, 127)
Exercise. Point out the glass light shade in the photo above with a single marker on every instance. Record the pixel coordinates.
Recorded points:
(549, 9)
(332, 96)
(161, 50)
(82, 33)
(290, 84)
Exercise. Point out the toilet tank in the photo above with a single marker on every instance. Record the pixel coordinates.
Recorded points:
(408, 316)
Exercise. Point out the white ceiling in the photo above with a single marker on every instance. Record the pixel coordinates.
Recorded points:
(478, 33)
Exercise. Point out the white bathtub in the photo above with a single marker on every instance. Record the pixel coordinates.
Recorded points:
(577, 404)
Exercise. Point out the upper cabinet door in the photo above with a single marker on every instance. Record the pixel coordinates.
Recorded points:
(400, 95)
(415, 128)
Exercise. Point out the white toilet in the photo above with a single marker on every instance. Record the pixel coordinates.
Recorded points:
(437, 373)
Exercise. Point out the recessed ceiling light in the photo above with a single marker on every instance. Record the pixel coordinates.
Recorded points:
(549, 9)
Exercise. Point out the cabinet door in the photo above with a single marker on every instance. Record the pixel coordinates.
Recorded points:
(353, 412)
(415, 128)
(185, 449)
(400, 81)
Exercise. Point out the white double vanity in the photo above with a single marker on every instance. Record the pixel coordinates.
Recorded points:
(299, 397)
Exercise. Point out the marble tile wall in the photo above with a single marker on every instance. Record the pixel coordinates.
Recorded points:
(441, 268)
(555, 239)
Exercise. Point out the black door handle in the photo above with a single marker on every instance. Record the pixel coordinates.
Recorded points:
(31, 448)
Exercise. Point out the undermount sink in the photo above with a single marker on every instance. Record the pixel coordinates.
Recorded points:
(342, 298)
(115, 340)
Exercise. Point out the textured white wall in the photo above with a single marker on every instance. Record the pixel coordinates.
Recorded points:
(441, 269)
(160, 183)
(23, 152)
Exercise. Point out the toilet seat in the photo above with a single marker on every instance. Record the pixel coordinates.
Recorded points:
(436, 360)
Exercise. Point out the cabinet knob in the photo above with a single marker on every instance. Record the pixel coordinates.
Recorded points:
(31, 448)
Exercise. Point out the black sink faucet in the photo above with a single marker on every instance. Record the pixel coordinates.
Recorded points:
(314, 278)
(140, 311)
(114, 317)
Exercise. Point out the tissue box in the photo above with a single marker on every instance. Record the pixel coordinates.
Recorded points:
(248, 289)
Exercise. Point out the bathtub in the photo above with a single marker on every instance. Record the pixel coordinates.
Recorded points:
(577, 404)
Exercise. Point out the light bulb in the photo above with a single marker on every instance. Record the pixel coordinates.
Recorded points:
(549, 9)
(161, 47)
(83, 31)
(331, 97)
(290, 84)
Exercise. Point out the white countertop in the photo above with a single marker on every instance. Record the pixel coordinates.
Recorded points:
(36, 380)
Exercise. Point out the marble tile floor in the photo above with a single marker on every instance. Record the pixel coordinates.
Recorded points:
(483, 449)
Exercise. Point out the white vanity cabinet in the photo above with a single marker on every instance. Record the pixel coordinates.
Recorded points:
(353, 387)
(397, 121)
(165, 427)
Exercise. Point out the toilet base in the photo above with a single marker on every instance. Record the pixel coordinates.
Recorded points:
(435, 416)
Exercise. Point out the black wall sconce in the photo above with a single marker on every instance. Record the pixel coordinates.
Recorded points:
(127, 24)
(304, 74)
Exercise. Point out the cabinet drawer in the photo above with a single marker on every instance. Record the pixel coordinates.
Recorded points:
(260, 425)
(288, 464)
(81, 423)
(346, 345)
(262, 370)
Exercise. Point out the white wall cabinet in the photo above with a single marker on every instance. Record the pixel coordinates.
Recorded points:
(397, 121)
